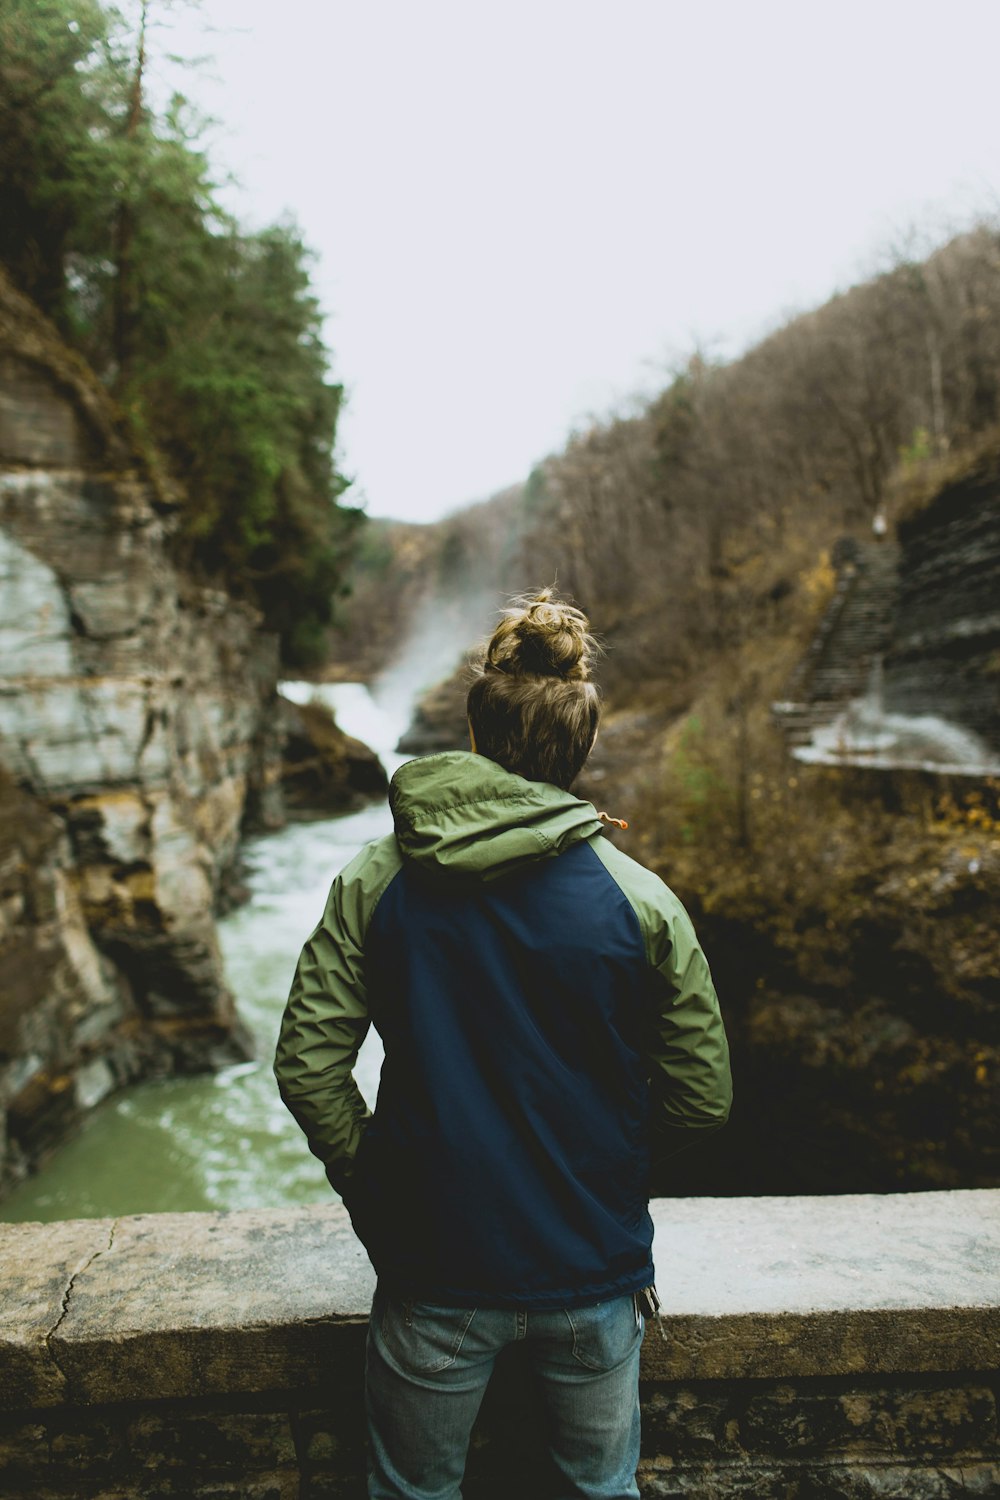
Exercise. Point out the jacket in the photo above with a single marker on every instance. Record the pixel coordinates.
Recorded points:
(548, 1019)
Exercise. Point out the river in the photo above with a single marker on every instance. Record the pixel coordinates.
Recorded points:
(225, 1140)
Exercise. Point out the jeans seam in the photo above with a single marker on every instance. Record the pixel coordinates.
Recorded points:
(589, 1364)
(460, 1333)
(458, 1340)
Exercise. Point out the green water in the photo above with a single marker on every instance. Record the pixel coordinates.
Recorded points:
(225, 1140)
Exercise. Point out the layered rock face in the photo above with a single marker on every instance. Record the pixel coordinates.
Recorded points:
(945, 656)
(136, 718)
(324, 771)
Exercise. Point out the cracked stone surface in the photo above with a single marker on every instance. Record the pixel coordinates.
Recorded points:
(40, 1263)
(68, 1294)
(189, 1303)
(177, 1305)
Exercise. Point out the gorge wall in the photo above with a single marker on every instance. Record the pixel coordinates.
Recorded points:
(945, 652)
(136, 723)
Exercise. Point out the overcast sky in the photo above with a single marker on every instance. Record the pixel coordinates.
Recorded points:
(526, 213)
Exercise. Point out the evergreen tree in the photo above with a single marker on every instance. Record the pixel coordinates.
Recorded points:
(210, 338)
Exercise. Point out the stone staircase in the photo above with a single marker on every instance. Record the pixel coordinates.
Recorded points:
(851, 637)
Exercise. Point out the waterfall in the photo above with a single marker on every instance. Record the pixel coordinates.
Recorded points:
(865, 734)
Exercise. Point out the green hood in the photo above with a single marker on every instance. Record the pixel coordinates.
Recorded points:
(462, 813)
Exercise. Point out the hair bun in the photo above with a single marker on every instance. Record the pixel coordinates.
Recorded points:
(541, 636)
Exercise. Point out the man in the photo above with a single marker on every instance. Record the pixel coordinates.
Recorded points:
(549, 1021)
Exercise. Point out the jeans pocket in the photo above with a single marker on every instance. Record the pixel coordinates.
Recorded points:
(607, 1334)
(424, 1338)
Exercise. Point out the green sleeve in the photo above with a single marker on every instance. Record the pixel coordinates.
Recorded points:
(688, 1052)
(326, 1017)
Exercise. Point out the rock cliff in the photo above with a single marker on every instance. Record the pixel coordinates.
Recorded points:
(945, 654)
(136, 721)
(915, 627)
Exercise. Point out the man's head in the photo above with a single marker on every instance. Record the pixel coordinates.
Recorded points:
(532, 707)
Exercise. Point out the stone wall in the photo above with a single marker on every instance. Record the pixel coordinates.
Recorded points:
(136, 714)
(809, 1349)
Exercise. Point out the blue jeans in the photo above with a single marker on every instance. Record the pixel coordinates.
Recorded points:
(427, 1368)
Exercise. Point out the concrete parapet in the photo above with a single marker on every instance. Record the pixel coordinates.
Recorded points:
(809, 1347)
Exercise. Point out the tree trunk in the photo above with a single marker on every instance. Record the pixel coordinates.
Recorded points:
(124, 296)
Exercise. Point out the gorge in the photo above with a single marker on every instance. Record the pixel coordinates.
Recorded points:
(792, 558)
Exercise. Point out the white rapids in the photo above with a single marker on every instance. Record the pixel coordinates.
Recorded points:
(225, 1140)
(865, 734)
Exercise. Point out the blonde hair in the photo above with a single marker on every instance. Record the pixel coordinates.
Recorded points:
(532, 706)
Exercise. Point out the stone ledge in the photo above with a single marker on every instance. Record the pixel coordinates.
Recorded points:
(162, 1306)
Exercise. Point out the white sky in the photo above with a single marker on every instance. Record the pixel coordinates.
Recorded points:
(524, 213)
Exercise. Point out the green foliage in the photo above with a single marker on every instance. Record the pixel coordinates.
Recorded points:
(210, 337)
(62, 101)
(698, 793)
(674, 416)
(919, 449)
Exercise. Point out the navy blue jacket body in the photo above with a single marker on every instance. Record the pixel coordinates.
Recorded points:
(539, 997)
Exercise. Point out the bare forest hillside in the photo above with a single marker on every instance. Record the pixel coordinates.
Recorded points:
(684, 528)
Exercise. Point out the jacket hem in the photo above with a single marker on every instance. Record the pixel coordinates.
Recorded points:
(544, 1300)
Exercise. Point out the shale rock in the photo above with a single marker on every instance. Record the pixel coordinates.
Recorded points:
(945, 654)
(325, 771)
(136, 718)
(439, 720)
